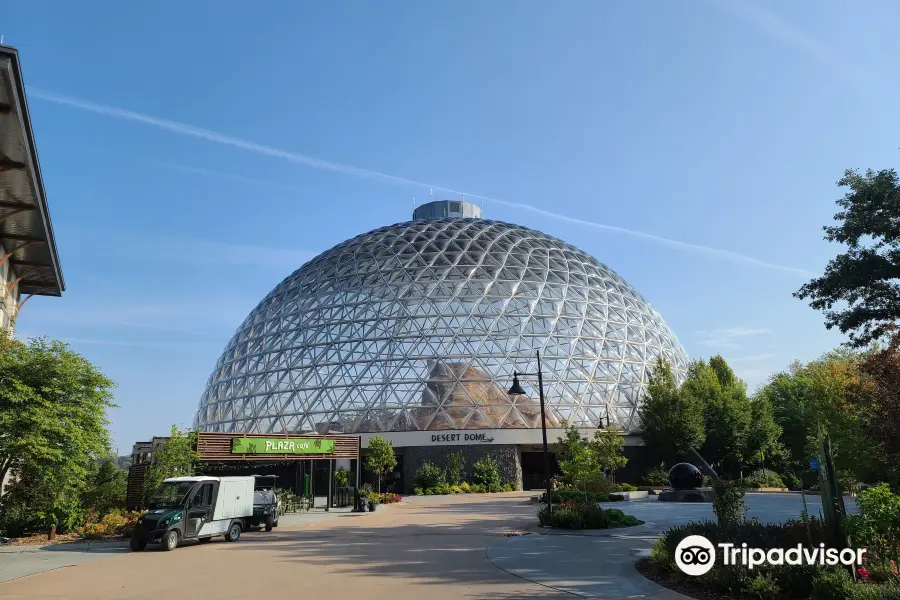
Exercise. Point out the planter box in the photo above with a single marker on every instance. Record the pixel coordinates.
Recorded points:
(639, 495)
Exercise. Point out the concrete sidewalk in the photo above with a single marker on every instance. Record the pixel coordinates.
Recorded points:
(583, 565)
(21, 561)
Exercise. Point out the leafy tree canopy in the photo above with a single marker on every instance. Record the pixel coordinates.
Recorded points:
(176, 457)
(863, 281)
(381, 459)
(53, 423)
(673, 422)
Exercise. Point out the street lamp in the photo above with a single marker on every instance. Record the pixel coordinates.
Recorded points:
(516, 390)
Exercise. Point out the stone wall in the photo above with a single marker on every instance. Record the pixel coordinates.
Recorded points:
(507, 457)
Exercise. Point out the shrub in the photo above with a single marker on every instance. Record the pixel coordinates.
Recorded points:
(728, 505)
(486, 472)
(456, 468)
(877, 523)
(429, 476)
(389, 498)
(656, 477)
(762, 586)
(417, 491)
(115, 524)
(455, 489)
(572, 515)
(465, 488)
(477, 488)
(659, 556)
(626, 487)
(573, 496)
(509, 487)
(847, 480)
(764, 478)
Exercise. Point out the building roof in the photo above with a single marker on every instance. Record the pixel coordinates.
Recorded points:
(25, 229)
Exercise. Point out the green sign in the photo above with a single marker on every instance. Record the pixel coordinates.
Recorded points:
(281, 446)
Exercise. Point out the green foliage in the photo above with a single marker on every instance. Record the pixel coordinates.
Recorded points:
(342, 477)
(728, 504)
(862, 281)
(176, 457)
(576, 496)
(607, 447)
(826, 392)
(656, 477)
(763, 586)
(877, 521)
(579, 462)
(673, 422)
(456, 468)
(105, 489)
(53, 423)
(764, 478)
(381, 459)
(581, 515)
(486, 472)
(763, 433)
(625, 487)
(726, 412)
(429, 476)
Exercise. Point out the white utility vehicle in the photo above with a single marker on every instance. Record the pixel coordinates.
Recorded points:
(195, 508)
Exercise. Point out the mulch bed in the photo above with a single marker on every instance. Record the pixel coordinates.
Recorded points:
(686, 587)
(40, 539)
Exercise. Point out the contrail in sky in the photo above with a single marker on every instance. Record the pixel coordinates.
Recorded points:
(317, 163)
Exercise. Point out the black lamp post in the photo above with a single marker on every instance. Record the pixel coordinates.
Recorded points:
(516, 390)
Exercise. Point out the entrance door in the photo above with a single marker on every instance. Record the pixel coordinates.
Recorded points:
(200, 509)
(533, 470)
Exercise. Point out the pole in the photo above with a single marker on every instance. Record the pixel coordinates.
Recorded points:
(544, 434)
(330, 497)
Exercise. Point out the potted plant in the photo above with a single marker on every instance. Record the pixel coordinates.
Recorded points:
(372, 505)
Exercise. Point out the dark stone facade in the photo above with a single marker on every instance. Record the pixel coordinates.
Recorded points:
(507, 457)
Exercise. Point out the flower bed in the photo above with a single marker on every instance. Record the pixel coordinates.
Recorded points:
(581, 515)
(388, 498)
(464, 488)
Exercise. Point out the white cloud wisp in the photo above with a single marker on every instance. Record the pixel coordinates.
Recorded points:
(316, 163)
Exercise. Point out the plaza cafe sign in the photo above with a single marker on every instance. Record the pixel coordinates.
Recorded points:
(255, 445)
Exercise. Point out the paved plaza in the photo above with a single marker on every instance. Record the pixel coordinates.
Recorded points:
(474, 546)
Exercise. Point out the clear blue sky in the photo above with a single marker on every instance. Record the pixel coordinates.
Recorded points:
(718, 124)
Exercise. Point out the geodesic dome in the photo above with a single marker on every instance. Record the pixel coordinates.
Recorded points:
(420, 325)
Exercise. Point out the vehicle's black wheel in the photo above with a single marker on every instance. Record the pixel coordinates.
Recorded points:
(169, 540)
(137, 544)
(205, 540)
(270, 523)
(234, 533)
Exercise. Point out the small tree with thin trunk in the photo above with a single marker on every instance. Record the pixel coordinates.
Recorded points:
(381, 460)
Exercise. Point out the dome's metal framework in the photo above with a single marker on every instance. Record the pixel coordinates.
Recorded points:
(419, 326)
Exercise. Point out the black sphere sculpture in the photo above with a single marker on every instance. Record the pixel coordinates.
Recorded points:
(685, 476)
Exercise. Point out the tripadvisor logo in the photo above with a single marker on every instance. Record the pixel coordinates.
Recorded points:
(695, 555)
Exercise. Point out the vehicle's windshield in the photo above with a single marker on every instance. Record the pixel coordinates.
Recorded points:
(170, 494)
(263, 497)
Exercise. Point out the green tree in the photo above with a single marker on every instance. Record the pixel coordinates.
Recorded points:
(763, 435)
(176, 457)
(673, 422)
(53, 423)
(106, 486)
(381, 460)
(607, 446)
(863, 281)
(579, 462)
(456, 468)
(823, 392)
